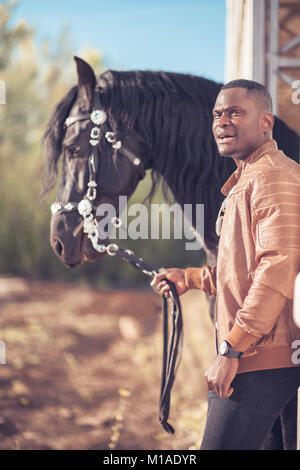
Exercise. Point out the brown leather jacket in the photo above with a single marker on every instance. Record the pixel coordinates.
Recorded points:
(259, 258)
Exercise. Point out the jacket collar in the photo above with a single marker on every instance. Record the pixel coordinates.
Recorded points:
(266, 147)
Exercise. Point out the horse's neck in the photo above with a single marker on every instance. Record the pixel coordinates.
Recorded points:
(183, 182)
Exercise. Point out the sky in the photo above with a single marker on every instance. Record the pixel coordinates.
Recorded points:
(186, 36)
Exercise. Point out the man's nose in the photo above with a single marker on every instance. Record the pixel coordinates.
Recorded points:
(224, 120)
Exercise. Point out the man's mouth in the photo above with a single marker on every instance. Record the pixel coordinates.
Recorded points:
(225, 138)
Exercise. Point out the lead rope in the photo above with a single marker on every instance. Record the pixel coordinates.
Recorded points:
(172, 348)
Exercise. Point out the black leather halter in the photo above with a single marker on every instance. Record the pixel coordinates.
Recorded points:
(95, 133)
(97, 117)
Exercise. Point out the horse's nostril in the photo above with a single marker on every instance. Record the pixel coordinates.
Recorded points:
(58, 247)
(72, 265)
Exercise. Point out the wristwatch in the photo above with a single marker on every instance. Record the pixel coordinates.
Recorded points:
(227, 351)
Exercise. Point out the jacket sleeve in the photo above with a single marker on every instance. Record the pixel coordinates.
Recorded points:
(202, 278)
(275, 216)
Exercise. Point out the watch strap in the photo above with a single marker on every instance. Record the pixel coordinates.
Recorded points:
(235, 354)
(230, 352)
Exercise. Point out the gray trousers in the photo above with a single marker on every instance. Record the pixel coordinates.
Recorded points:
(260, 414)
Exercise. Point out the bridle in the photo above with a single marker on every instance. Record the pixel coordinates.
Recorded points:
(86, 206)
(172, 348)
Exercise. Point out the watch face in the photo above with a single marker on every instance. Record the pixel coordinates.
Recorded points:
(223, 348)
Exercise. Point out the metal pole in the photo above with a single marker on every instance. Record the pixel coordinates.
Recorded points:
(296, 317)
(298, 421)
(259, 35)
(273, 53)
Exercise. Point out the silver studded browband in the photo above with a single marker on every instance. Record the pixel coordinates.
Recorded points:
(85, 207)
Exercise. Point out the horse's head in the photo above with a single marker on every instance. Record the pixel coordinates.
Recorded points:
(101, 161)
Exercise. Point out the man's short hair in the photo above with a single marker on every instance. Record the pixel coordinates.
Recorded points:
(254, 88)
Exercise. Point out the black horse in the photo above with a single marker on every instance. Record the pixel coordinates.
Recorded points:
(162, 118)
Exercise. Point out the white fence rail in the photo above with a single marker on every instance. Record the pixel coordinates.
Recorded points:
(297, 322)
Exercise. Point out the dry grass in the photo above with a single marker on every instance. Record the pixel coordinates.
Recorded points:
(83, 369)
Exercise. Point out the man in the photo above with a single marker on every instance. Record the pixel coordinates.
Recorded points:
(255, 373)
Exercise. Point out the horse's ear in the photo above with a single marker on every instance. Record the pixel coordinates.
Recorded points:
(86, 80)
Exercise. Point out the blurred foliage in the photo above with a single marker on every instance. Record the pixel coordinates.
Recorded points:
(36, 79)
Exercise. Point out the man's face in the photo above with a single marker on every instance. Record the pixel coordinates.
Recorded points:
(238, 126)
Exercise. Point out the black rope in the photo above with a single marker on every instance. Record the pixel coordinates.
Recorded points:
(172, 347)
(170, 355)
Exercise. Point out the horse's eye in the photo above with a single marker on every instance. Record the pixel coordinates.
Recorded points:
(74, 150)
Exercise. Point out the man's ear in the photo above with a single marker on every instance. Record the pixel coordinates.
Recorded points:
(268, 122)
(86, 81)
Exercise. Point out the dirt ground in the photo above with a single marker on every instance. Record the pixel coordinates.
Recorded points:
(83, 368)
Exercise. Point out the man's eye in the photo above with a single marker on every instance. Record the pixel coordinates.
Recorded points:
(235, 111)
(216, 115)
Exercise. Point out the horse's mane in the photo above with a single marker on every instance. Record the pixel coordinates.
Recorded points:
(171, 112)
(52, 140)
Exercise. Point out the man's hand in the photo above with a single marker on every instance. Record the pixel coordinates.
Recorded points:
(176, 275)
(220, 375)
